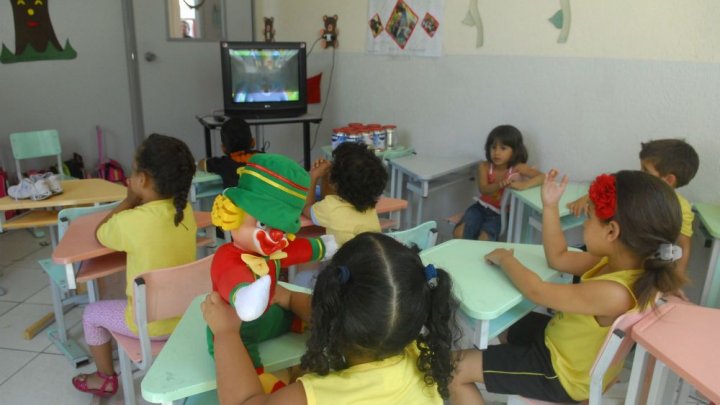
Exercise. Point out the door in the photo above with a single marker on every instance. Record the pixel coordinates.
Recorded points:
(180, 79)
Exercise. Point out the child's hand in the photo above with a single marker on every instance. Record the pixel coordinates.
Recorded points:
(132, 199)
(281, 297)
(320, 169)
(518, 185)
(551, 189)
(498, 255)
(219, 315)
(579, 206)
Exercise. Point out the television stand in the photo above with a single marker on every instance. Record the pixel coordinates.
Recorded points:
(210, 123)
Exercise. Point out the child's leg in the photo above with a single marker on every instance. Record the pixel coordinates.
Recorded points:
(471, 223)
(98, 319)
(468, 371)
(490, 228)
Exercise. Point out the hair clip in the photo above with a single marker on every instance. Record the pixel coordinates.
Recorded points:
(431, 276)
(424, 331)
(668, 252)
(344, 275)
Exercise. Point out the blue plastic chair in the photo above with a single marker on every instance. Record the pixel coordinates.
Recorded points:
(423, 236)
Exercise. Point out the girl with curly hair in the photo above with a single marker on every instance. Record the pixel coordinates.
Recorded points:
(357, 179)
(632, 224)
(382, 326)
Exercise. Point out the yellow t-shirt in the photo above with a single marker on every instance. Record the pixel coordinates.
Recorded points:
(687, 216)
(152, 241)
(341, 220)
(574, 340)
(395, 380)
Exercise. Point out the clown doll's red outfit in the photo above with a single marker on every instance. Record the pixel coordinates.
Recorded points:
(262, 212)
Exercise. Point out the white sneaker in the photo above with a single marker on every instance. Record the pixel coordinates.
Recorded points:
(53, 181)
(42, 191)
(37, 190)
(22, 191)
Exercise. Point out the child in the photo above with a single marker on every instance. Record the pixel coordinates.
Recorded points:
(156, 227)
(675, 162)
(505, 167)
(237, 145)
(633, 221)
(381, 332)
(358, 177)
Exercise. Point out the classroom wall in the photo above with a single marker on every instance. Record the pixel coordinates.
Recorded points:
(71, 96)
(630, 72)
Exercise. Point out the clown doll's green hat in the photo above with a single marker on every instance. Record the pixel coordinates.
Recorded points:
(272, 188)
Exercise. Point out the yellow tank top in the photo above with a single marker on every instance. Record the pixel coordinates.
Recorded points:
(574, 340)
(394, 380)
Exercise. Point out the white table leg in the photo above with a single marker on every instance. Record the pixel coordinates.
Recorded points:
(511, 219)
(70, 276)
(661, 380)
(637, 375)
(519, 215)
(712, 269)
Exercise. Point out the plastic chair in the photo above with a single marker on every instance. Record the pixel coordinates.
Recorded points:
(158, 294)
(36, 144)
(613, 353)
(91, 269)
(423, 236)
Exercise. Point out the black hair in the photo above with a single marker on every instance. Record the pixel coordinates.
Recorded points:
(379, 307)
(649, 215)
(511, 137)
(236, 136)
(358, 175)
(171, 165)
(672, 156)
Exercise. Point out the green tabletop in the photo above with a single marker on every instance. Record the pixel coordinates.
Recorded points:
(184, 368)
(484, 291)
(709, 215)
(531, 197)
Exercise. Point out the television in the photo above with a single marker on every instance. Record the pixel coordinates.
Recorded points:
(264, 79)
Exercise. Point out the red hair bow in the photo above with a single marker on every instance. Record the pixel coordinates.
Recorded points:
(602, 194)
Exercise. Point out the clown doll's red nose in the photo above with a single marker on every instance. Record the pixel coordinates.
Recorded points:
(276, 234)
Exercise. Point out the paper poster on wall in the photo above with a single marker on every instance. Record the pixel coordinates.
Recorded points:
(405, 27)
(35, 37)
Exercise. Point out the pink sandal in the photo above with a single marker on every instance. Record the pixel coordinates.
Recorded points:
(108, 388)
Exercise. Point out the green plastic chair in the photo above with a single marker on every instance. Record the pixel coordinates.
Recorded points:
(35, 144)
(91, 269)
(423, 236)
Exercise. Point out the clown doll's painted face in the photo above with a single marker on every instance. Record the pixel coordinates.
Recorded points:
(252, 235)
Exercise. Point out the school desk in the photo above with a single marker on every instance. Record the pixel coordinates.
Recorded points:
(78, 244)
(42, 214)
(184, 367)
(684, 338)
(488, 298)
(709, 215)
(519, 220)
(426, 173)
(204, 185)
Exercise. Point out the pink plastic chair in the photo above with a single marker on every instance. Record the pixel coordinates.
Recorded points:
(159, 294)
(613, 352)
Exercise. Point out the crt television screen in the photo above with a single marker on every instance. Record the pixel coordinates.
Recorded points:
(264, 75)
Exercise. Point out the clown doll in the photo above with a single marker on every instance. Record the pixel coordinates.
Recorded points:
(262, 214)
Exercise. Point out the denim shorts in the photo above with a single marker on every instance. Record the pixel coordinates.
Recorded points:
(478, 218)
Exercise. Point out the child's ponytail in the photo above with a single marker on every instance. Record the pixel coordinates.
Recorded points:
(323, 347)
(439, 332)
(649, 216)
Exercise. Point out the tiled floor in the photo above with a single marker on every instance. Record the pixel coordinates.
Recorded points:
(34, 371)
